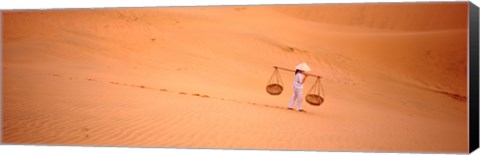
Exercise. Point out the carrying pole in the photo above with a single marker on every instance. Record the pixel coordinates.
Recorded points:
(276, 67)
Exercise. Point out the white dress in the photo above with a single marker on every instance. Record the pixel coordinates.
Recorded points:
(297, 91)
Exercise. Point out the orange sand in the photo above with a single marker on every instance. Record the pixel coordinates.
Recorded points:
(394, 75)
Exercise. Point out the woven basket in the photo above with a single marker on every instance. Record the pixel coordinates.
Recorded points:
(274, 89)
(314, 99)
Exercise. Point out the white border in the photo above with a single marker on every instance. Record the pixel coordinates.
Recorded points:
(78, 150)
(49, 4)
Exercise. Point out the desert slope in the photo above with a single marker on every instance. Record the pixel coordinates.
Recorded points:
(389, 16)
(195, 77)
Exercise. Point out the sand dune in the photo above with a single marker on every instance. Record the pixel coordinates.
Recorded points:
(389, 16)
(395, 77)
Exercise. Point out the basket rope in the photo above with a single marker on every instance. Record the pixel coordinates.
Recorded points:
(276, 75)
(317, 88)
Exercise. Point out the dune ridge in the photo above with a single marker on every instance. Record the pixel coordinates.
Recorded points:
(195, 77)
(388, 16)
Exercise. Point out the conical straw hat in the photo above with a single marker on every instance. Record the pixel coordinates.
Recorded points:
(303, 67)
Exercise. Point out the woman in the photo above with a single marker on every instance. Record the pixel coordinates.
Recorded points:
(300, 77)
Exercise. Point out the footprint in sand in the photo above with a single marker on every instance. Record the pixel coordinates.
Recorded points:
(85, 129)
(290, 49)
(252, 103)
(138, 86)
(58, 75)
(164, 90)
(180, 93)
(199, 95)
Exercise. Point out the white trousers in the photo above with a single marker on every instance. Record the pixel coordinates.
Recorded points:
(297, 95)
